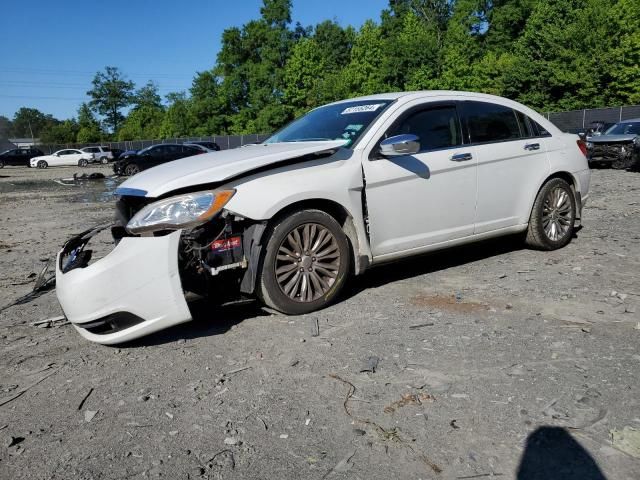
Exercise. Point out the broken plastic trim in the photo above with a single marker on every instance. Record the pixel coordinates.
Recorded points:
(73, 254)
(113, 323)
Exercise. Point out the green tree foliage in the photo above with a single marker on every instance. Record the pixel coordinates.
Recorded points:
(548, 54)
(28, 122)
(89, 130)
(5, 127)
(111, 93)
(61, 132)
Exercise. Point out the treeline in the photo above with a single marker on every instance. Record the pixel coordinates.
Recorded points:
(550, 54)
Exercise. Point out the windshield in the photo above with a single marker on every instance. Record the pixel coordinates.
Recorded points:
(343, 121)
(627, 128)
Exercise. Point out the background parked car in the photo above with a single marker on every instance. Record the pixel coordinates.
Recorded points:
(199, 147)
(19, 156)
(595, 128)
(100, 154)
(130, 164)
(619, 146)
(213, 146)
(116, 152)
(69, 156)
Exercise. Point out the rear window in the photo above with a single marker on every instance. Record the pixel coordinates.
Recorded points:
(488, 122)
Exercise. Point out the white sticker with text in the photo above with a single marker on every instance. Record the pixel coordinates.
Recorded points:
(362, 108)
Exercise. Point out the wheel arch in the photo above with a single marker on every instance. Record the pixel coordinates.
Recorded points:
(341, 215)
(573, 183)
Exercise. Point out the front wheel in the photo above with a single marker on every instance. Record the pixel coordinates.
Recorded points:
(131, 169)
(42, 164)
(553, 216)
(305, 263)
(1, 164)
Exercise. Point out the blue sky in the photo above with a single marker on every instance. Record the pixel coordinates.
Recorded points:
(50, 50)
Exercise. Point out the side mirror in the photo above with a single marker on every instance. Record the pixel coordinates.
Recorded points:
(400, 145)
(57, 154)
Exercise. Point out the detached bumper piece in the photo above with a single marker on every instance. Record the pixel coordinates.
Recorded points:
(133, 291)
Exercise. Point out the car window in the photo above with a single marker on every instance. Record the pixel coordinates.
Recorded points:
(526, 127)
(540, 131)
(65, 152)
(157, 151)
(627, 128)
(437, 127)
(489, 122)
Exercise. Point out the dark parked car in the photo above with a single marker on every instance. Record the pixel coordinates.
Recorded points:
(618, 146)
(19, 156)
(116, 152)
(132, 163)
(595, 128)
(209, 145)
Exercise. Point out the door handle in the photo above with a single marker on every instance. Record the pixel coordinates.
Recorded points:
(461, 157)
(532, 146)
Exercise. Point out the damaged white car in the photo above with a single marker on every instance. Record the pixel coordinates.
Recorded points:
(348, 186)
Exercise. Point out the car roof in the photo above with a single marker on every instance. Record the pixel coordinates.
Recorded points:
(631, 120)
(424, 94)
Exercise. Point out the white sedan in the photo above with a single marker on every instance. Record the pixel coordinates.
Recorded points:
(348, 186)
(61, 158)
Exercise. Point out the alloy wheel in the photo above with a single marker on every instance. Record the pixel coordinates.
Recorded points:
(307, 262)
(557, 214)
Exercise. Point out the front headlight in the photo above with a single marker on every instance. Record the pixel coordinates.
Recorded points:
(182, 211)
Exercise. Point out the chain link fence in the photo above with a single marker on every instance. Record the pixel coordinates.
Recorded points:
(575, 121)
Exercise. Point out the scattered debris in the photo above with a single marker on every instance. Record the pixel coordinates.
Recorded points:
(43, 283)
(232, 441)
(315, 327)
(627, 440)
(453, 424)
(89, 414)
(371, 366)
(421, 325)
(85, 399)
(237, 370)
(409, 399)
(26, 389)
(481, 475)
(343, 465)
(284, 436)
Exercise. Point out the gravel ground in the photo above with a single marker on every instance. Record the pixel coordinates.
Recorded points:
(484, 361)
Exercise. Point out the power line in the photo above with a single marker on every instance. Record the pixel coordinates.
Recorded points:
(43, 71)
(31, 97)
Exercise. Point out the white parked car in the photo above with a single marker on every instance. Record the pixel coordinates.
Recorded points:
(348, 186)
(60, 158)
(99, 154)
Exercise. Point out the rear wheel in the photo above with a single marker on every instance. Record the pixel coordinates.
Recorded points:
(305, 264)
(83, 162)
(553, 216)
(1, 164)
(131, 169)
(42, 164)
(104, 160)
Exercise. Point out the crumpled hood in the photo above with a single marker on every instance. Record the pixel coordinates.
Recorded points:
(612, 138)
(218, 166)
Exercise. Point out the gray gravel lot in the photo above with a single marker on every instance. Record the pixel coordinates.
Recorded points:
(485, 361)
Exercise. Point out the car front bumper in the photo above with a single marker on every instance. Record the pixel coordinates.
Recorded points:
(133, 291)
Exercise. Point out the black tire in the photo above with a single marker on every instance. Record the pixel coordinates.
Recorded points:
(83, 162)
(104, 160)
(325, 285)
(131, 169)
(1, 164)
(558, 217)
(42, 164)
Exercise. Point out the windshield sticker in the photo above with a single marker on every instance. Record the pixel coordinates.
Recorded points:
(355, 128)
(362, 108)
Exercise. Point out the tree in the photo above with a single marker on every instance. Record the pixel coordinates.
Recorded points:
(176, 121)
(110, 94)
(144, 122)
(61, 132)
(207, 107)
(5, 127)
(147, 96)
(30, 122)
(88, 127)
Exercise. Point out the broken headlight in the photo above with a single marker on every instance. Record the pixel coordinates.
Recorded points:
(182, 211)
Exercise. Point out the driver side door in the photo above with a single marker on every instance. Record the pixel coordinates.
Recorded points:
(416, 201)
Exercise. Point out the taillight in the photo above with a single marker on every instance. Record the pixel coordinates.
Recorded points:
(582, 146)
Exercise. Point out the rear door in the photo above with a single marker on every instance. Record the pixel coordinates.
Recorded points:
(512, 162)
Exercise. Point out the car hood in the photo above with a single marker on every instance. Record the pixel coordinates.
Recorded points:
(217, 167)
(612, 138)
